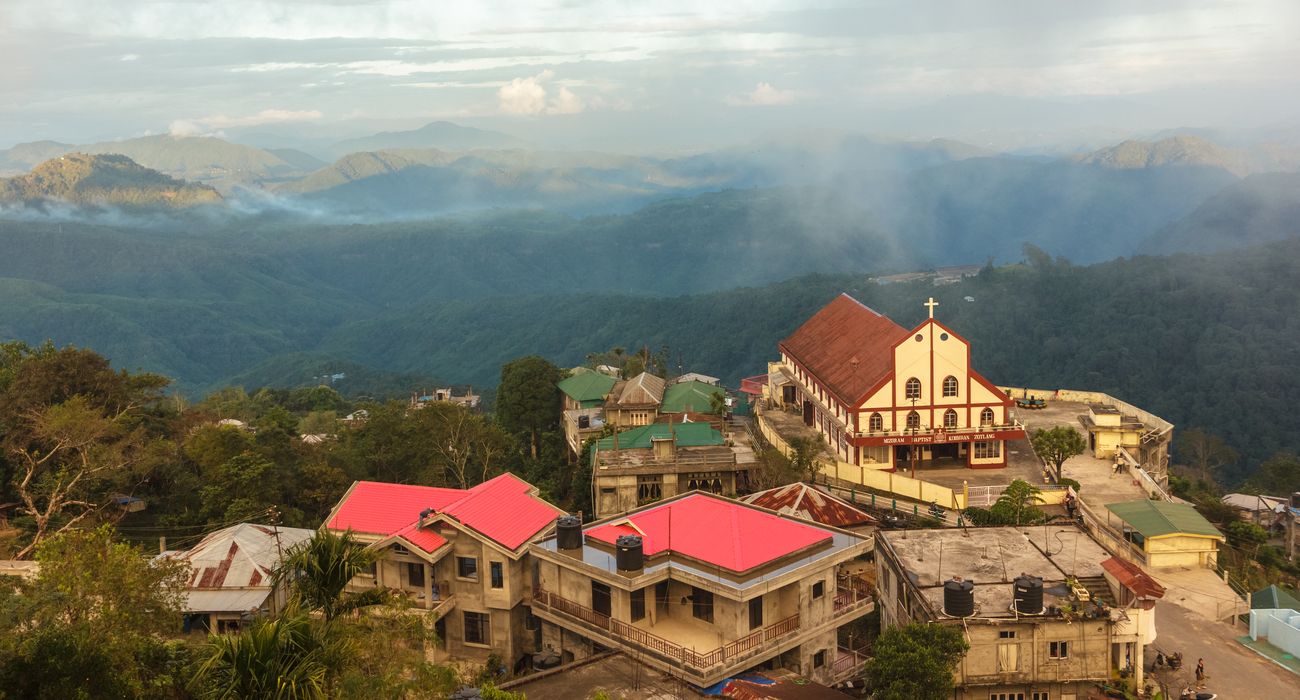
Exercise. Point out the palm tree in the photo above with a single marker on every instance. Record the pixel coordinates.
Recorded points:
(280, 659)
(318, 572)
(1018, 500)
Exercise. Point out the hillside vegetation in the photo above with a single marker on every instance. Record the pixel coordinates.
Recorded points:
(1201, 340)
(79, 178)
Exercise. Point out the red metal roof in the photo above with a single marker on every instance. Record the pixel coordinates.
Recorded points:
(847, 346)
(754, 385)
(502, 509)
(713, 530)
(505, 510)
(804, 501)
(1133, 578)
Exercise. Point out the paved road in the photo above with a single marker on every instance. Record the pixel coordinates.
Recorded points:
(1235, 672)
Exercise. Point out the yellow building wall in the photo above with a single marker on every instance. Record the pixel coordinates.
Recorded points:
(1181, 550)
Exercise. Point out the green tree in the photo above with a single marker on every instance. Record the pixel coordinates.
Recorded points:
(69, 459)
(718, 403)
(804, 456)
(89, 624)
(1246, 535)
(1016, 503)
(1055, 445)
(244, 488)
(1279, 476)
(286, 658)
(915, 662)
(1204, 453)
(318, 572)
(528, 400)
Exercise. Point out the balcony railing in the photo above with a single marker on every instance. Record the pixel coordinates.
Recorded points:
(851, 593)
(696, 662)
(968, 430)
(848, 663)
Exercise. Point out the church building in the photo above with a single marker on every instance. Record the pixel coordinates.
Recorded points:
(883, 396)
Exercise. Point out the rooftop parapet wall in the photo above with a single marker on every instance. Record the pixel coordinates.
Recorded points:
(1091, 397)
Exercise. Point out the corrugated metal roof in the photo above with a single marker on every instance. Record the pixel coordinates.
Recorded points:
(1133, 578)
(644, 389)
(804, 501)
(1273, 598)
(377, 508)
(1158, 518)
(846, 345)
(227, 600)
(686, 434)
(239, 556)
(505, 510)
(692, 397)
(502, 509)
(587, 387)
(713, 530)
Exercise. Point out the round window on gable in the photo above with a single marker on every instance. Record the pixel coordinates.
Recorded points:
(919, 337)
(943, 336)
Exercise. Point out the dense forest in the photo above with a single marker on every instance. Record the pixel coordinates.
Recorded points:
(1202, 340)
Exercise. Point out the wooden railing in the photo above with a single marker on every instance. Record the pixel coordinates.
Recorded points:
(700, 663)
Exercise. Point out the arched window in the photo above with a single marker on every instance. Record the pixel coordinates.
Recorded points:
(986, 417)
(950, 418)
(876, 423)
(913, 420)
(950, 386)
(913, 388)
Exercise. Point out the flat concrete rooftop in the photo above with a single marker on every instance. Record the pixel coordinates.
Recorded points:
(992, 558)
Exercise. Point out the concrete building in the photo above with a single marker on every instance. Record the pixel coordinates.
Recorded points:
(1166, 535)
(1037, 605)
(1118, 431)
(883, 396)
(460, 555)
(702, 587)
(231, 573)
(643, 465)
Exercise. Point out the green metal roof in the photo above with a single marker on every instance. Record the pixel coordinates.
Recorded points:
(1158, 518)
(689, 397)
(587, 388)
(1273, 597)
(687, 434)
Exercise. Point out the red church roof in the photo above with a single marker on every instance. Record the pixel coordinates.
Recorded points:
(714, 531)
(847, 346)
(502, 509)
(804, 501)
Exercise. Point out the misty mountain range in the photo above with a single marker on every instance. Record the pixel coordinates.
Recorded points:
(266, 252)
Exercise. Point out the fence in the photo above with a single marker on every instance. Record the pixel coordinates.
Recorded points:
(888, 482)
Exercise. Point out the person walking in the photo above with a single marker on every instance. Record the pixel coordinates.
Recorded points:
(1200, 673)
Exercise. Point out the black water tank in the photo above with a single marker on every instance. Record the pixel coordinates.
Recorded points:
(959, 598)
(629, 555)
(568, 530)
(584, 422)
(1028, 595)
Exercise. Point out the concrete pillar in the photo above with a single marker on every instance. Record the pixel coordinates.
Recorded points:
(428, 585)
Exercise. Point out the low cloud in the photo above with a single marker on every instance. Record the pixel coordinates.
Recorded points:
(204, 125)
(763, 95)
(532, 96)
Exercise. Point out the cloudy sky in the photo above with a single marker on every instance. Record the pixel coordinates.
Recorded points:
(645, 75)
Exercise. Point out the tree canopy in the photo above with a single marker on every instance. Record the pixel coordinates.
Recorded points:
(915, 662)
